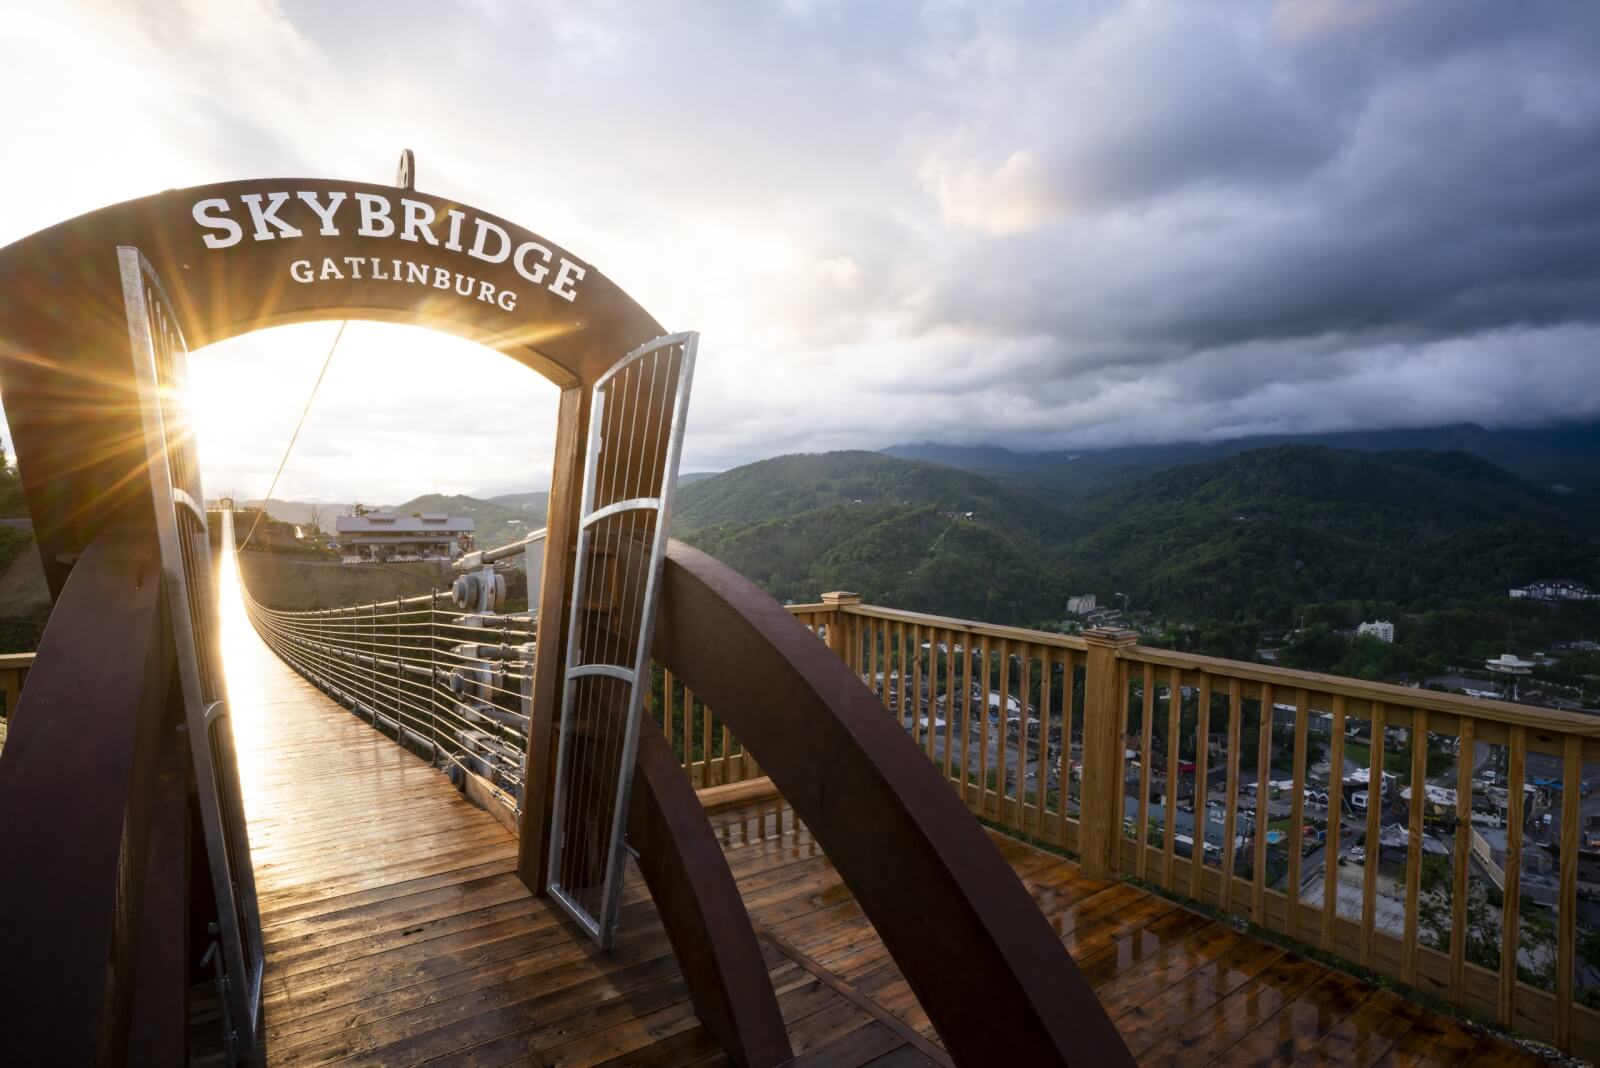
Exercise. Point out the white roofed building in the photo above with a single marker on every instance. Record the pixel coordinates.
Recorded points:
(1381, 629)
(391, 536)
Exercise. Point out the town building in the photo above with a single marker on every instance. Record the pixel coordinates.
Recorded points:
(1081, 604)
(1381, 629)
(1509, 668)
(391, 536)
(1555, 590)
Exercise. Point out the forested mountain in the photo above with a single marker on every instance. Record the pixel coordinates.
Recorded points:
(497, 522)
(1252, 537)
(533, 504)
(1257, 534)
(788, 485)
(1550, 457)
(915, 535)
(904, 555)
(1213, 556)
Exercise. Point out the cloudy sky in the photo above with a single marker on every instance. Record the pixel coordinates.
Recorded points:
(1036, 225)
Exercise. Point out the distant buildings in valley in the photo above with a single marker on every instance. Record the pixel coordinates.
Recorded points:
(1081, 604)
(1381, 629)
(1509, 668)
(1555, 590)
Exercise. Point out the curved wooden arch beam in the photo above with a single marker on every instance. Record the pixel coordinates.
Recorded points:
(986, 966)
(701, 909)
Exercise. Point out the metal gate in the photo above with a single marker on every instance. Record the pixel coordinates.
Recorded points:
(635, 437)
(160, 364)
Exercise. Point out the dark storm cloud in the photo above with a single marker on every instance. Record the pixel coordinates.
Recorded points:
(1452, 185)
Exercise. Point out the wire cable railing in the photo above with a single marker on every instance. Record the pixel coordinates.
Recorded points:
(451, 684)
(449, 676)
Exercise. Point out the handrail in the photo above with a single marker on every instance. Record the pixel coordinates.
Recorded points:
(14, 668)
(1530, 716)
(453, 686)
(1064, 738)
(499, 552)
(392, 661)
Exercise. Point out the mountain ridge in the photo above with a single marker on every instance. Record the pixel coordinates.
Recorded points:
(1249, 535)
(1547, 456)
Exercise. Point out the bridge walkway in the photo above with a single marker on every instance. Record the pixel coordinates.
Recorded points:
(397, 932)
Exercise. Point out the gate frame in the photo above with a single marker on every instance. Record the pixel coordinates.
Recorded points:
(206, 717)
(602, 925)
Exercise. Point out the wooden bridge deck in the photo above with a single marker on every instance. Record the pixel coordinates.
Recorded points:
(397, 932)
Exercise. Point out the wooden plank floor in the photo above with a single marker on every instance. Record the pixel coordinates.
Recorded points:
(397, 933)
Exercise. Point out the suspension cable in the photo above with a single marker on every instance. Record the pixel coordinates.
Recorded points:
(296, 435)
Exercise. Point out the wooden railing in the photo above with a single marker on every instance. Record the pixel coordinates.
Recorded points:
(13, 673)
(1068, 740)
(709, 753)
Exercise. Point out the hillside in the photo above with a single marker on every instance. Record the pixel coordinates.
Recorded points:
(1550, 457)
(1247, 537)
(1255, 540)
(531, 504)
(299, 511)
(915, 535)
(1256, 534)
(790, 485)
(908, 556)
(498, 522)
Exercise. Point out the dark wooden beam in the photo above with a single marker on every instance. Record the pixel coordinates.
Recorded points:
(77, 784)
(160, 1027)
(701, 909)
(549, 658)
(985, 965)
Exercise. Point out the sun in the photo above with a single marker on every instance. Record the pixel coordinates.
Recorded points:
(402, 411)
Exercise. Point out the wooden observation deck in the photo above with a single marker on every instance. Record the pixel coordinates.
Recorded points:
(397, 932)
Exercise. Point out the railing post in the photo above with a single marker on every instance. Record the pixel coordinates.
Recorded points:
(433, 673)
(399, 676)
(835, 621)
(1104, 720)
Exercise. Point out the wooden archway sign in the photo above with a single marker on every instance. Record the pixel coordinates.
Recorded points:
(241, 256)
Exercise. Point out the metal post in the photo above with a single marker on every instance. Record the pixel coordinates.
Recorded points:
(433, 672)
(372, 665)
(399, 721)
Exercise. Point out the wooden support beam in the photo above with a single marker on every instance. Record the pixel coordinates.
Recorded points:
(87, 735)
(549, 658)
(734, 794)
(890, 823)
(700, 907)
(1104, 716)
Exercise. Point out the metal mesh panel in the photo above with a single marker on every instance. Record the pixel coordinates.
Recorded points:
(635, 436)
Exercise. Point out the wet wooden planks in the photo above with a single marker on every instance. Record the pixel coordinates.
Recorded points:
(396, 932)
(1182, 988)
